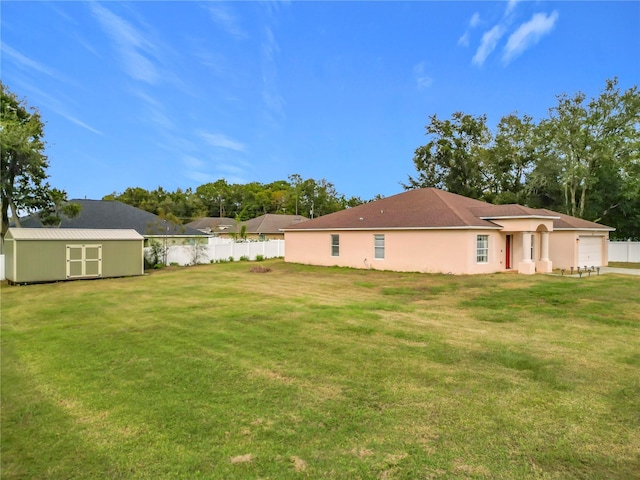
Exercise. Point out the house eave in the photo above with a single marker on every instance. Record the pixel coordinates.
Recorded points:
(520, 217)
(378, 229)
(583, 229)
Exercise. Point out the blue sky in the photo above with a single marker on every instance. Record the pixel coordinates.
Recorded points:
(177, 94)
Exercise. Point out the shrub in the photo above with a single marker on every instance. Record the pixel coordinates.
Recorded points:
(259, 258)
(244, 258)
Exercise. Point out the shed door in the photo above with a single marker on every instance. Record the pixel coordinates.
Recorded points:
(84, 261)
(590, 251)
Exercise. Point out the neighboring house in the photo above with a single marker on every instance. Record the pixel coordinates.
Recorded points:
(430, 230)
(212, 225)
(52, 254)
(111, 214)
(266, 227)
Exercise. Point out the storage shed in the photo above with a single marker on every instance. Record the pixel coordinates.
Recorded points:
(49, 254)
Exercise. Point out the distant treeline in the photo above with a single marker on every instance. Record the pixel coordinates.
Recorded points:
(294, 196)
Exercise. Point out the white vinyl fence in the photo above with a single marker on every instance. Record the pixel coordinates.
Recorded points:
(2, 277)
(624, 251)
(221, 250)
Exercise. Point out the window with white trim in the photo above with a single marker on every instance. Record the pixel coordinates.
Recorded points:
(335, 245)
(378, 247)
(482, 249)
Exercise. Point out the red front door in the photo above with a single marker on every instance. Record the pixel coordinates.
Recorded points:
(507, 260)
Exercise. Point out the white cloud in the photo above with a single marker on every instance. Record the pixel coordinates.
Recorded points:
(511, 5)
(78, 122)
(475, 20)
(270, 94)
(463, 41)
(219, 140)
(192, 162)
(132, 45)
(59, 105)
(154, 111)
(423, 80)
(488, 44)
(25, 62)
(222, 16)
(528, 34)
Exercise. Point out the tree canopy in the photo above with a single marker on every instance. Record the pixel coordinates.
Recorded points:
(582, 160)
(242, 201)
(23, 165)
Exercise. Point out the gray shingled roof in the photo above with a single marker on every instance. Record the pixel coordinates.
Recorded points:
(212, 224)
(433, 208)
(270, 223)
(111, 214)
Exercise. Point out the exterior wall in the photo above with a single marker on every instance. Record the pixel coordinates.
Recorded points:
(429, 251)
(8, 247)
(523, 224)
(45, 260)
(563, 247)
(563, 251)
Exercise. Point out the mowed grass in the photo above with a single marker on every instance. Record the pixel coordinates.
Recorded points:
(625, 264)
(305, 372)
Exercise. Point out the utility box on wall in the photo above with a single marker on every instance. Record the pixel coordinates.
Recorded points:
(35, 255)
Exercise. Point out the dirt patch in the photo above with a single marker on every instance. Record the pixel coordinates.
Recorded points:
(298, 464)
(271, 375)
(259, 269)
(242, 458)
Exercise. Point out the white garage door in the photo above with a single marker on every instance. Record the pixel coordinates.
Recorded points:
(590, 251)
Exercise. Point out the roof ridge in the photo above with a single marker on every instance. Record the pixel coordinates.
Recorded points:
(455, 211)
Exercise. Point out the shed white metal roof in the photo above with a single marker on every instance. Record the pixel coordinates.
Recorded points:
(78, 234)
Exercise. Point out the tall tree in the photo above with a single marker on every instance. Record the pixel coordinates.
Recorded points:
(506, 165)
(58, 209)
(451, 158)
(596, 144)
(23, 163)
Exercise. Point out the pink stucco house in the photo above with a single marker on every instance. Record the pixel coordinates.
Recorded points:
(430, 230)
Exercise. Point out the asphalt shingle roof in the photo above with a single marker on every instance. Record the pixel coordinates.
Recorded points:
(271, 223)
(432, 208)
(212, 224)
(111, 214)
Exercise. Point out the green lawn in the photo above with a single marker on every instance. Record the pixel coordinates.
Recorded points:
(303, 372)
(624, 264)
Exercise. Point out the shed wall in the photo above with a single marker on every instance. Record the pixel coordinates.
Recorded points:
(45, 260)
